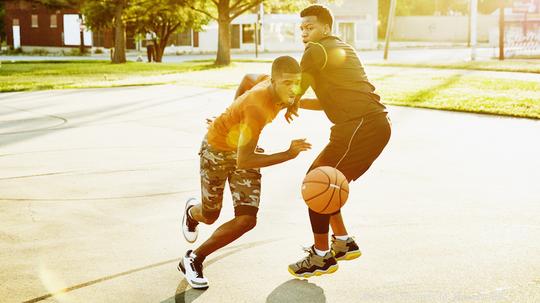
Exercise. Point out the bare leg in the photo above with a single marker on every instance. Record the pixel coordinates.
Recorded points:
(196, 213)
(321, 241)
(338, 227)
(225, 234)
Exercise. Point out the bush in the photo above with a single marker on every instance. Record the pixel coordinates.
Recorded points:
(98, 51)
(39, 52)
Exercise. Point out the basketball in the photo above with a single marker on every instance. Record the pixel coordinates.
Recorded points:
(325, 190)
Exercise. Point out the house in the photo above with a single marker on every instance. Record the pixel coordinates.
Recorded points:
(30, 25)
(355, 21)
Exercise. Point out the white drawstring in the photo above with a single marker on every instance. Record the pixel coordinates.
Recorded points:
(350, 142)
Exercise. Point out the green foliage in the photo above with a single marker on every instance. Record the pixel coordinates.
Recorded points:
(162, 16)
(99, 14)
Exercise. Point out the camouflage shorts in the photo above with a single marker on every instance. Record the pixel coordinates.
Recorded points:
(244, 184)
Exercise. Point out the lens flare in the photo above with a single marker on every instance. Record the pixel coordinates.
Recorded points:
(239, 135)
(54, 285)
(337, 56)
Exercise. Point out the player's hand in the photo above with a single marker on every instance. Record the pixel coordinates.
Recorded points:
(298, 146)
(210, 120)
(291, 110)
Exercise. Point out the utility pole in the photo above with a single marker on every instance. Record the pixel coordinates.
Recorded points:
(81, 34)
(474, 22)
(501, 29)
(257, 24)
(389, 26)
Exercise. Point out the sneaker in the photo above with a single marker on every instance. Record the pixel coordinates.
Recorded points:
(193, 270)
(345, 249)
(313, 264)
(190, 227)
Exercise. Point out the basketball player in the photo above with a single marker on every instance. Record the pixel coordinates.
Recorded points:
(228, 152)
(360, 132)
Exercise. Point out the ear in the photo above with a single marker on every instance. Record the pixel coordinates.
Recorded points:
(327, 29)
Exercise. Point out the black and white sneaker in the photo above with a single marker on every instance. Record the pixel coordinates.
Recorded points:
(193, 270)
(190, 227)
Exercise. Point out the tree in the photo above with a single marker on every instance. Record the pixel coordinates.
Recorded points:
(163, 17)
(224, 11)
(2, 14)
(109, 14)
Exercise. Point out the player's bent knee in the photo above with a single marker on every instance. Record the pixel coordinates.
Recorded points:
(210, 217)
(246, 222)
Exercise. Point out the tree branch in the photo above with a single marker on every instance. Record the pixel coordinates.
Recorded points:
(245, 8)
(204, 12)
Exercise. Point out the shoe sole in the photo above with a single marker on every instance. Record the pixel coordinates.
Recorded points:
(184, 219)
(350, 256)
(194, 286)
(332, 269)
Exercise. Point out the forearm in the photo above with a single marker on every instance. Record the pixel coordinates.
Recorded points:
(310, 103)
(262, 160)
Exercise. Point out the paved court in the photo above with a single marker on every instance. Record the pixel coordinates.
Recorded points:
(92, 184)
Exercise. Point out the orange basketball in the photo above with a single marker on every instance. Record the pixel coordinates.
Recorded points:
(325, 190)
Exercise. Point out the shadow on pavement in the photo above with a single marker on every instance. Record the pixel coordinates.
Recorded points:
(296, 290)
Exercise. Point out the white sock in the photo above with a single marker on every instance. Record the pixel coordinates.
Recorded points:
(320, 253)
(343, 238)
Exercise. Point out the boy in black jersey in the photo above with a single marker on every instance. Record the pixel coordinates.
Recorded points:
(360, 132)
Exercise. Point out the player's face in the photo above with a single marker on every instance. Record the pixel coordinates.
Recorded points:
(313, 30)
(287, 86)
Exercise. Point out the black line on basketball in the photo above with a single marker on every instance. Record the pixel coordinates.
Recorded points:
(333, 192)
(325, 190)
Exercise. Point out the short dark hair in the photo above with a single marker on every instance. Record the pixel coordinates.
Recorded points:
(323, 13)
(285, 64)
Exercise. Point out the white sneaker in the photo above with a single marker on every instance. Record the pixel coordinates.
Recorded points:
(193, 271)
(190, 227)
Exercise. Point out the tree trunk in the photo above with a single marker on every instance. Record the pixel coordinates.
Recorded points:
(119, 35)
(224, 37)
(159, 49)
(224, 43)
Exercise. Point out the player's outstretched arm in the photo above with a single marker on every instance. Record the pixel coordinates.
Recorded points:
(310, 103)
(247, 158)
(247, 83)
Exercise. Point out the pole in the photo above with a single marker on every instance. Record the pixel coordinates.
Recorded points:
(501, 29)
(81, 34)
(474, 22)
(389, 26)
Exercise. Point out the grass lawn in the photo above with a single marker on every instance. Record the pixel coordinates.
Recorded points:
(41, 75)
(525, 66)
(445, 89)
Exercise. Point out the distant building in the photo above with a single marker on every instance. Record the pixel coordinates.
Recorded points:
(30, 25)
(355, 22)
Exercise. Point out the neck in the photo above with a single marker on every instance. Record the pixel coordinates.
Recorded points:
(272, 91)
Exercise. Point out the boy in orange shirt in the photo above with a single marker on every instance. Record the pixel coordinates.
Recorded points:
(229, 152)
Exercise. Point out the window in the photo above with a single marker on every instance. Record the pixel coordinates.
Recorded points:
(15, 22)
(53, 21)
(34, 21)
(248, 33)
(195, 39)
(184, 38)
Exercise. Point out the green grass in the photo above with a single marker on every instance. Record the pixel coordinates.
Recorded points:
(459, 92)
(524, 66)
(39, 75)
(444, 89)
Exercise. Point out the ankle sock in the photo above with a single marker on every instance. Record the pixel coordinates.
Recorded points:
(342, 238)
(320, 253)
